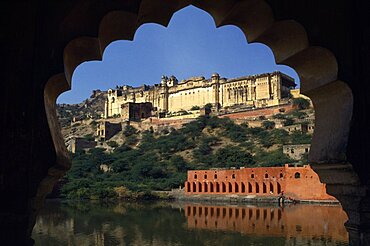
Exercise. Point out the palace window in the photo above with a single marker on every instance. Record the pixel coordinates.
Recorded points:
(297, 175)
(195, 176)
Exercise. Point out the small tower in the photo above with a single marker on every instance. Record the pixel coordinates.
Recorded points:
(216, 89)
(164, 94)
(172, 81)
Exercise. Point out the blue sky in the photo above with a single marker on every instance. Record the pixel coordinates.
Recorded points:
(190, 46)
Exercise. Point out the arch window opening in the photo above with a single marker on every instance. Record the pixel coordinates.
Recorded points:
(278, 188)
(257, 188)
(236, 187)
(297, 175)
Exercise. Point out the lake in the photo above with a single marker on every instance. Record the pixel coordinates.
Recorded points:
(175, 223)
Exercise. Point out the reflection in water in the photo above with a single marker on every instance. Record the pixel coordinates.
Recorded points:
(293, 221)
(188, 224)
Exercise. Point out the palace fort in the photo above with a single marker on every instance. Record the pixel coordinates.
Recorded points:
(256, 91)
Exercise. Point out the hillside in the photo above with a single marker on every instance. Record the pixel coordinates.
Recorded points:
(92, 108)
(158, 160)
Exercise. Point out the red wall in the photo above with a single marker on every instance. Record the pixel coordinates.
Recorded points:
(258, 112)
(262, 181)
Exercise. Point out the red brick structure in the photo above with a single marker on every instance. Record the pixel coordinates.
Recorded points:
(300, 183)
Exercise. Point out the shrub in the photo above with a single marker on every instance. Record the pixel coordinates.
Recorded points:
(208, 106)
(279, 116)
(233, 156)
(299, 114)
(112, 144)
(131, 140)
(195, 108)
(301, 103)
(268, 125)
(272, 158)
(129, 130)
(89, 137)
(288, 122)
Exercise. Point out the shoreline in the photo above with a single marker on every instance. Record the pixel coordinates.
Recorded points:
(238, 199)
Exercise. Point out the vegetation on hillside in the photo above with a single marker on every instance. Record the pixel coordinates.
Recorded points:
(152, 160)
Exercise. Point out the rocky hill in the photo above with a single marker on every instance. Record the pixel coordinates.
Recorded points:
(91, 108)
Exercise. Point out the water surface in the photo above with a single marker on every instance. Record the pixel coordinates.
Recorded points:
(164, 223)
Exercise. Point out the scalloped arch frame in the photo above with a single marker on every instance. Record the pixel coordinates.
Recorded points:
(316, 67)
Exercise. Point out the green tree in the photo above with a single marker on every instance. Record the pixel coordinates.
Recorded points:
(301, 103)
(233, 156)
(129, 131)
(112, 144)
(299, 114)
(288, 122)
(268, 125)
(208, 107)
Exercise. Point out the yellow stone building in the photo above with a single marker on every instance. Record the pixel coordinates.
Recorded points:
(256, 91)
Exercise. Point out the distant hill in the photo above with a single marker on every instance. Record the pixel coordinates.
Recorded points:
(92, 107)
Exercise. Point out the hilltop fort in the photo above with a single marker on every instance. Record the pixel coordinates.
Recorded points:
(171, 96)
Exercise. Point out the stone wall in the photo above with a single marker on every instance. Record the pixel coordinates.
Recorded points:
(258, 112)
(136, 111)
(105, 130)
(296, 151)
(80, 144)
